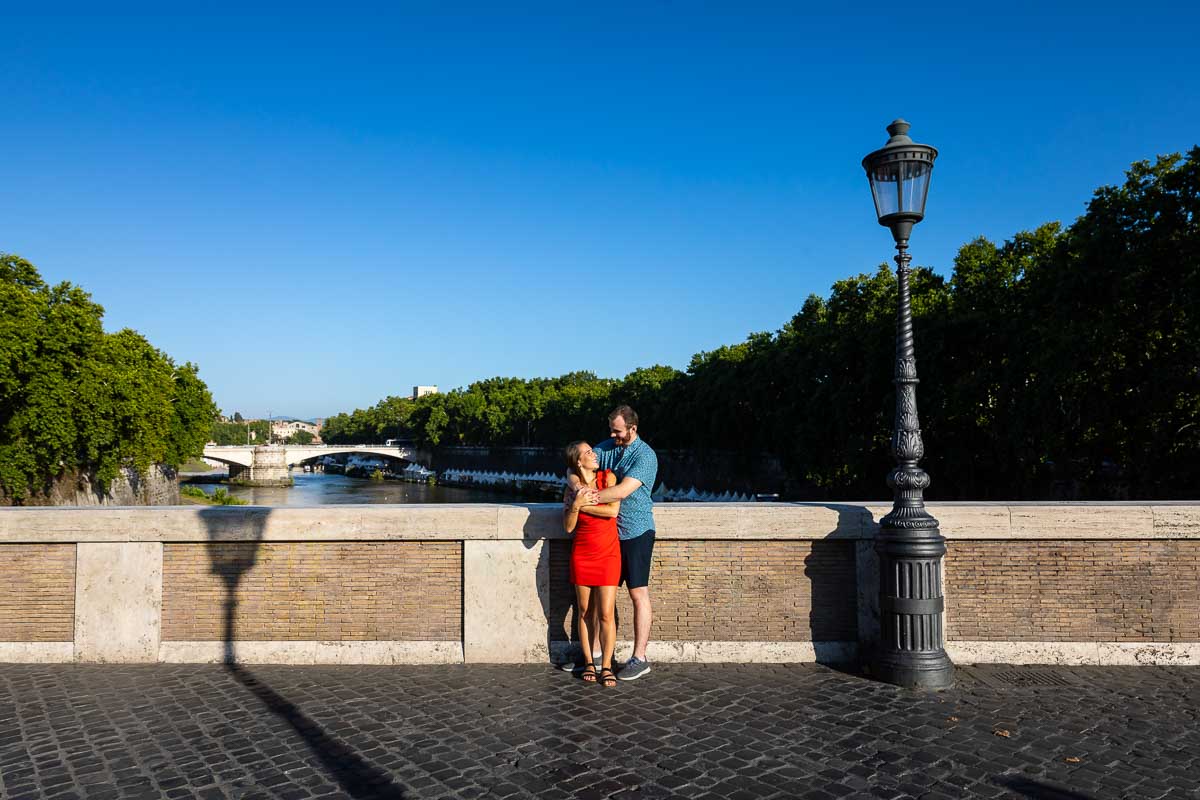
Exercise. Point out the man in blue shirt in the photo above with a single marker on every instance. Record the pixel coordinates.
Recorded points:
(636, 468)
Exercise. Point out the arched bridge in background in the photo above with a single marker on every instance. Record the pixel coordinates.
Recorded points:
(243, 455)
(268, 465)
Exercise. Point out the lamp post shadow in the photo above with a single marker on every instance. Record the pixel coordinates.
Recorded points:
(1037, 790)
(840, 609)
(551, 588)
(234, 540)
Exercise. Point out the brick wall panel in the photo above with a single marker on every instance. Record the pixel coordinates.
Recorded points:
(37, 592)
(314, 591)
(729, 590)
(1073, 591)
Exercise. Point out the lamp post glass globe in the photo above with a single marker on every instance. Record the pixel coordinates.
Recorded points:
(910, 547)
(899, 173)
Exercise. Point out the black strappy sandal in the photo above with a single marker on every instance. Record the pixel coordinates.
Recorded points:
(588, 674)
(608, 681)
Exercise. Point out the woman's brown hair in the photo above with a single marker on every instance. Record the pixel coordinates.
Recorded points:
(572, 452)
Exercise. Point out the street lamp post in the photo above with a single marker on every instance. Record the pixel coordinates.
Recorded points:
(910, 547)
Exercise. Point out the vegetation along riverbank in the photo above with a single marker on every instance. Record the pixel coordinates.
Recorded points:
(81, 405)
(1060, 364)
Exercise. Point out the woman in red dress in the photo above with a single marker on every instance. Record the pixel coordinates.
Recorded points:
(595, 560)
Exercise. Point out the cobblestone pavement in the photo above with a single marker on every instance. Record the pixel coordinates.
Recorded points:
(692, 731)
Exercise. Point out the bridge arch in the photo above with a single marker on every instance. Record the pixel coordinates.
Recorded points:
(298, 454)
(230, 459)
(244, 455)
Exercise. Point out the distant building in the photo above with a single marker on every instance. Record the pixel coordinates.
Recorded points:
(281, 430)
(421, 391)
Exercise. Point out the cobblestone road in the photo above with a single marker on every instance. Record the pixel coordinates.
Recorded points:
(691, 731)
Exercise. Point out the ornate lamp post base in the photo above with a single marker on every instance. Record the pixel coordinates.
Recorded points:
(922, 671)
(911, 605)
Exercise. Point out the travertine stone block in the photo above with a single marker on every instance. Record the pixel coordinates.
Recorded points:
(312, 652)
(1176, 521)
(866, 567)
(1062, 653)
(1083, 521)
(505, 601)
(962, 521)
(696, 520)
(801, 520)
(448, 522)
(118, 602)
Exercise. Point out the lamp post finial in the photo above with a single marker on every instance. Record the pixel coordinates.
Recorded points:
(898, 130)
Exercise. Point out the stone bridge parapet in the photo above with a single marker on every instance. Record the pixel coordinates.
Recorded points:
(1092, 583)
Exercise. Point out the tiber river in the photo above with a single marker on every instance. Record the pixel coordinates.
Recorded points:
(319, 489)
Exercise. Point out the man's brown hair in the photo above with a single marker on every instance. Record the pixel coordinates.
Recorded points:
(626, 413)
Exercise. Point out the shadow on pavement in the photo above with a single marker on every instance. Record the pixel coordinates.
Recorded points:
(234, 538)
(1037, 790)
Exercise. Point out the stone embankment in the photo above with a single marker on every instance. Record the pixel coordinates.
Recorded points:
(534, 484)
(712, 471)
(158, 487)
(551, 484)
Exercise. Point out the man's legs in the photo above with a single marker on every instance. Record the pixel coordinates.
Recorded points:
(642, 617)
(636, 557)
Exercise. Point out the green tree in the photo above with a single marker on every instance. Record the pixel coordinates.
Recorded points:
(73, 397)
(234, 433)
(1061, 362)
(300, 437)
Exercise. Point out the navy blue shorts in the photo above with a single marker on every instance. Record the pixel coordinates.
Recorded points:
(636, 554)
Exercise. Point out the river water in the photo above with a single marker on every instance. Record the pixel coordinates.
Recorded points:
(320, 489)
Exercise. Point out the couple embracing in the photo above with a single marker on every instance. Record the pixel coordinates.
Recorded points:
(607, 508)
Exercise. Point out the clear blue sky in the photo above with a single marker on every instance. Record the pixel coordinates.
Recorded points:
(324, 205)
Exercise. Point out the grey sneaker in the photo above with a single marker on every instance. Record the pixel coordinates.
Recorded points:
(579, 663)
(634, 668)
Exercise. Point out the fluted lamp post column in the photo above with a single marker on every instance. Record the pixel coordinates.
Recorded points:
(910, 547)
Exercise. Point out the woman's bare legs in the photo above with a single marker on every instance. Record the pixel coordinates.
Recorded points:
(586, 607)
(605, 603)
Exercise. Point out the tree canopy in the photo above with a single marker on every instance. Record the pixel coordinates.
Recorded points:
(73, 397)
(1063, 362)
(300, 437)
(239, 432)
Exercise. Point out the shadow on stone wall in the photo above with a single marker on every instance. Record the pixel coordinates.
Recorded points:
(234, 539)
(549, 584)
(837, 589)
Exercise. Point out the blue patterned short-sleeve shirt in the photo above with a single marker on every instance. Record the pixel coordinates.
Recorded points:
(638, 460)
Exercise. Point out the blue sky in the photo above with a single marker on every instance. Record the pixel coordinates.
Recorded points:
(324, 205)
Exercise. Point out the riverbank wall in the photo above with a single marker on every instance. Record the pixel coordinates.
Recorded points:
(711, 470)
(764, 582)
(158, 487)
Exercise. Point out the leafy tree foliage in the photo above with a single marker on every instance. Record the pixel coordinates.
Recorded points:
(73, 397)
(300, 437)
(1062, 363)
(233, 433)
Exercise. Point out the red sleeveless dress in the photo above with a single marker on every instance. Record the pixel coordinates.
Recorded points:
(596, 555)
